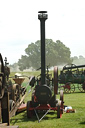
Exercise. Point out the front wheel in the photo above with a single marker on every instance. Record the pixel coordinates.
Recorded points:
(59, 113)
(62, 100)
(29, 112)
(55, 80)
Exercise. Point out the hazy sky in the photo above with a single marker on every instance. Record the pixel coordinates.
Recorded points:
(19, 25)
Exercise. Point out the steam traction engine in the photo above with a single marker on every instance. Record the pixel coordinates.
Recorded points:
(43, 98)
(11, 94)
(4, 95)
(71, 78)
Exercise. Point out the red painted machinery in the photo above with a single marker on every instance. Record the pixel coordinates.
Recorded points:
(44, 97)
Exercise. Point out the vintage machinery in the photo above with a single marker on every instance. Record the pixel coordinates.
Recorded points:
(4, 95)
(72, 77)
(13, 84)
(11, 94)
(43, 97)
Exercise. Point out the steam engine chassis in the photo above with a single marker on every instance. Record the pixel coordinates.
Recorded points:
(72, 78)
(43, 99)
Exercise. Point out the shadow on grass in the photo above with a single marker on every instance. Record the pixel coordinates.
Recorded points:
(74, 92)
(82, 122)
(79, 92)
(22, 117)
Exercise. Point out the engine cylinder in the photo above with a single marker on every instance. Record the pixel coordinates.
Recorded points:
(43, 94)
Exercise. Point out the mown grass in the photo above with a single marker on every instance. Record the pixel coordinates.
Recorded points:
(68, 120)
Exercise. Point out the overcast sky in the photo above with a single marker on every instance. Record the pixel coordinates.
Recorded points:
(19, 25)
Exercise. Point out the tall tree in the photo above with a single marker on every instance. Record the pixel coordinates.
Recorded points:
(56, 53)
(64, 53)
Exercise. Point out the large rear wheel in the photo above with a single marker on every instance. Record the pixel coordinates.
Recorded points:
(55, 80)
(62, 100)
(29, 112)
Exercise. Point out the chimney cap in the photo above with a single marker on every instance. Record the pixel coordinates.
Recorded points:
(42, 12)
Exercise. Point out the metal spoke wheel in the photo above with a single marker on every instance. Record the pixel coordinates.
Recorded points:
(62, 100)
(66, 90)
(67, 87)
(2, 77)
(80, 87)
(15, 92)
(72, 89)
(60, 107)
(29, 112)
(55, 80)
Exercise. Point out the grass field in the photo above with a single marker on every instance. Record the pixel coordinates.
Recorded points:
(68, 120)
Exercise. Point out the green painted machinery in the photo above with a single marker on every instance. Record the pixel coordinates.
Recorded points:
(72, 76)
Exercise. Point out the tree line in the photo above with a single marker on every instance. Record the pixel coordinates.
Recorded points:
(56, 54)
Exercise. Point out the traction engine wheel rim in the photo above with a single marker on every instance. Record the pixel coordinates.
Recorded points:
(55, 80)
(14, 92)
(2, 77)
(29, 112)
(62, 100)
(67, 87)
(80, 87)
(66, 90)
(72, 88)
(59, 114)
